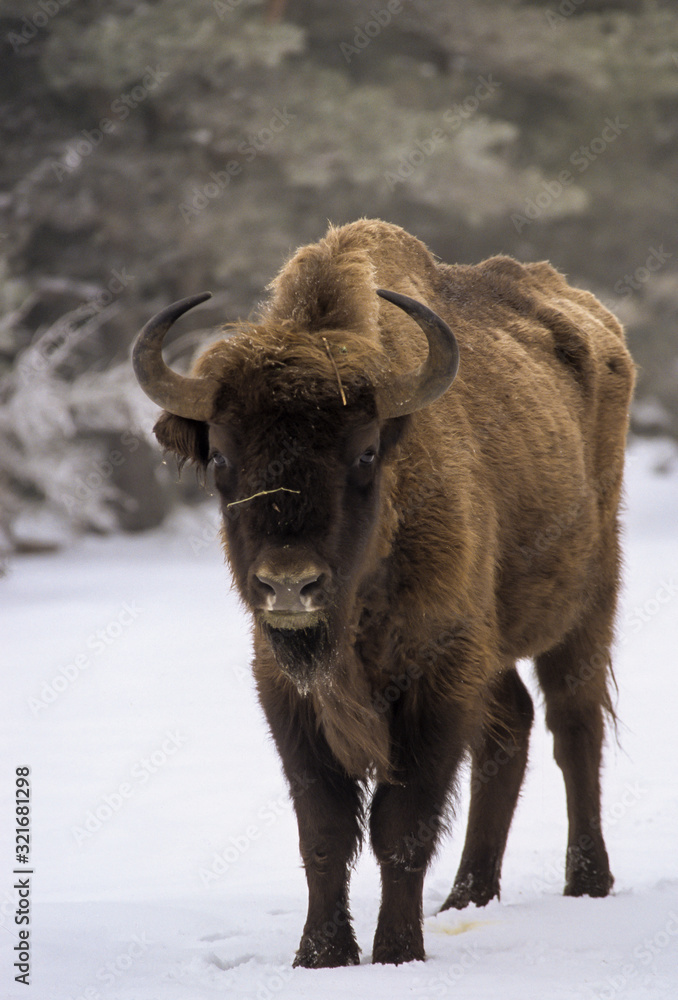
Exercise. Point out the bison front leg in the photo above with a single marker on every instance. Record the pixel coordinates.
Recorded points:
(403, 848)
(405, 823)
(329, 806)
(328, 838)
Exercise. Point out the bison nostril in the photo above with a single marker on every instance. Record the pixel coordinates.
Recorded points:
(289, 593)
(267, 587)
(312, 587)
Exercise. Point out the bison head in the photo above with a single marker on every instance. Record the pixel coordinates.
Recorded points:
(300, 427)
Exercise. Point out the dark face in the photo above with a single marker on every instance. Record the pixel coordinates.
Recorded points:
(300, 499)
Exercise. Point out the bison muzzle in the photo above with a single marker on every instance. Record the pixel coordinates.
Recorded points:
(419, 468)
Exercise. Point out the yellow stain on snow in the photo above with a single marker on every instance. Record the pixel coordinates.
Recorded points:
(461, 928)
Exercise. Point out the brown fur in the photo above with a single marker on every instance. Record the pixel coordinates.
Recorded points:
(487, 532)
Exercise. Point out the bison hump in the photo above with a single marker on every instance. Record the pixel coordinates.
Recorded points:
(571, 343)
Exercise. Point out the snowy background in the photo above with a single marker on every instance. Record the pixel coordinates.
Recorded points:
(164, 845)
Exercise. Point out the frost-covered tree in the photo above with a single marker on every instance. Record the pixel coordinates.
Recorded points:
(74, 454)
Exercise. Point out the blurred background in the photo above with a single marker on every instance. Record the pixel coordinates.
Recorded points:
(153, 150)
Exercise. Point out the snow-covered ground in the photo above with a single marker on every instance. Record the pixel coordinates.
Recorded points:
(164, 852)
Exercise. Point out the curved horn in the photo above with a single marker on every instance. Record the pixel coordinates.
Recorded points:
(423, 385)
(186, 397)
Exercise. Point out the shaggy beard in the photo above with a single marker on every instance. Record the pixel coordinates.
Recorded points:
(336, 682)
(303, 654)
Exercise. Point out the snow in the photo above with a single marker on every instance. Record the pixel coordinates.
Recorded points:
(164, 847)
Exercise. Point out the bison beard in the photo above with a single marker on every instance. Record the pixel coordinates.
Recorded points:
(303, 654)
(334, 682)
(465, 525)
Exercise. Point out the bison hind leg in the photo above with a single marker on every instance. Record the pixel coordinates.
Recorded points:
(498, 767)
(575, 678)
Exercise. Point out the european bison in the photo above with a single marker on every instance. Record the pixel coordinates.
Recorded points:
(402, 537)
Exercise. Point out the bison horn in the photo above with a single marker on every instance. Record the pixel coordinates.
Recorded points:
(421, 387)
(186, 397)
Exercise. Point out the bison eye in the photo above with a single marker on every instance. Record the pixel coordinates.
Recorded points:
(367, 458)
(220, 461)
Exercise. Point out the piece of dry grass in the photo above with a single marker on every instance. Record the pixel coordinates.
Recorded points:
(262, 493)
(336, 371)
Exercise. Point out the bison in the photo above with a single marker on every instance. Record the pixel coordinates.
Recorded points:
(419, 467)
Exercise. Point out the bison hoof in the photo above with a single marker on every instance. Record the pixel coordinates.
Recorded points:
(394, 949)
(316, 952)
(586, 875)
(590, 883)
(470, 890)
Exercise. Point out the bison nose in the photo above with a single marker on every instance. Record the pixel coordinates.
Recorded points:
(293, 594)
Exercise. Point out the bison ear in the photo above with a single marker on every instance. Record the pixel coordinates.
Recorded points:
(187, 439)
